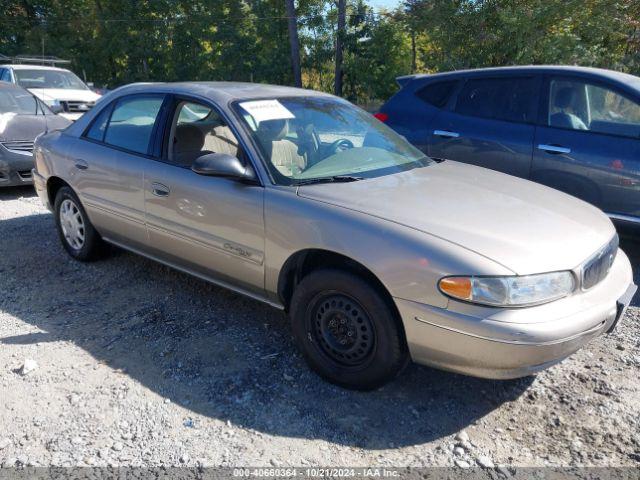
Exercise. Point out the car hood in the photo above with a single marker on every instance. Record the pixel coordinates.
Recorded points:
(48, 94)
(28, 127)
(526, 227)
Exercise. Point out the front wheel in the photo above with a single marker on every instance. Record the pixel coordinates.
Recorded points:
(78, 236)
(346, 330)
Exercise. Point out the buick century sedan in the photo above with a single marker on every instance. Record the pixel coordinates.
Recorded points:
(303, 201)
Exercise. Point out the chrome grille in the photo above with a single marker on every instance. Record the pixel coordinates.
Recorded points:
(22, 146)
(597, 268)
(76, 106)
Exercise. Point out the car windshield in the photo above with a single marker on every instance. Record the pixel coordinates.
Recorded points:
(49, 79)
(315, 139)
(19, 103)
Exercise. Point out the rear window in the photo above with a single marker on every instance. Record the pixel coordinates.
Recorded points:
(99, 125)
(510, 99)
(437, 94)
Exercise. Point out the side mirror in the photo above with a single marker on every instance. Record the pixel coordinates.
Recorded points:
(56, 108)
(223, 165)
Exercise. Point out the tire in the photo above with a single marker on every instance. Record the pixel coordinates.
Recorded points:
(78, 236)
(346, 330)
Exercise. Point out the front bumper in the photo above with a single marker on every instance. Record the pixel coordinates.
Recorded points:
(510, 343)
(15, 168)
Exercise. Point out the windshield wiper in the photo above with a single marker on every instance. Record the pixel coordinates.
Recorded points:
(333, 178)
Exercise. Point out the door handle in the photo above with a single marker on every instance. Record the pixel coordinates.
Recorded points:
(446, 133)
(159, 190)
(81, 164)
(553, 148)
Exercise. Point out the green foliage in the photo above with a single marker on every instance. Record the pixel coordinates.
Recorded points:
(477, 33)
(112, 42)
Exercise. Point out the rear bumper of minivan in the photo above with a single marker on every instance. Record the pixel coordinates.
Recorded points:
(510, 343)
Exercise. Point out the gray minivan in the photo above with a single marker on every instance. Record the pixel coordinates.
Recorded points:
(572, 128)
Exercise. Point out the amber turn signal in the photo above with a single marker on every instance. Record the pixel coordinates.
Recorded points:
(457, 287)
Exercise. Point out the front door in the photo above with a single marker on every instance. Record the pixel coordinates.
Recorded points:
(491, 124)
(211, 226)
(589, 144)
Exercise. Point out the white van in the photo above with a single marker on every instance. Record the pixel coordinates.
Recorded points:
(59, 88)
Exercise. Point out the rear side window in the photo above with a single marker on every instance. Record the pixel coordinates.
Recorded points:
(99, 125)
(438, 93)
(131, 123)
(512, 99)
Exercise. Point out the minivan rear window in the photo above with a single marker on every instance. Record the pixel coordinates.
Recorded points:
(438, 93)
(511, 99)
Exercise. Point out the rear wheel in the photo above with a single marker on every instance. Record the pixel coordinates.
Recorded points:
(76, 232)
(347, 331)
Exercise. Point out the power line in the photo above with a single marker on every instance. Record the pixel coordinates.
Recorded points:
(189, 18)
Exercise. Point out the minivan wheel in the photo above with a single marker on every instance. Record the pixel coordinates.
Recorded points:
(76, 232)
(346, 330)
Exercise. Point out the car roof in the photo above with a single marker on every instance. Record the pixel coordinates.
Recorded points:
(219, 91)
(618, 77)
(23, 66)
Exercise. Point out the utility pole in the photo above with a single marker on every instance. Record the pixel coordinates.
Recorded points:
(342, 20)
(294, 42)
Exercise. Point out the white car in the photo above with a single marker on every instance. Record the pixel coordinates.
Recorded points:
(59, 88)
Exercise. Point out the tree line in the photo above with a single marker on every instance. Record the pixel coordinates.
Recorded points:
(340, 46)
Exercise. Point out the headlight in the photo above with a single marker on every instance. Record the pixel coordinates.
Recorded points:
(52, 103)
(513, 291)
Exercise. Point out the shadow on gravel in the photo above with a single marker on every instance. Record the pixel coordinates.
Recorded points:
(12, 193)
(630, 243)
(217, 353)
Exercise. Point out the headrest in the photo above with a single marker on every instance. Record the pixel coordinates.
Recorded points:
(272, 130)
(188, 138)
(564, 97)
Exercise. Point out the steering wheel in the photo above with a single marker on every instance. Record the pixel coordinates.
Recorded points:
(340, 145)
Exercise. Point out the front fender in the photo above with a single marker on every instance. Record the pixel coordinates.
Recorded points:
(407, 262)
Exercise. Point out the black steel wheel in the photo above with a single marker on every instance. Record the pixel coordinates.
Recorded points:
(343, 329)
(347, 329)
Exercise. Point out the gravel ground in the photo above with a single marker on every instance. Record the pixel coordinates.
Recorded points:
(127, 362)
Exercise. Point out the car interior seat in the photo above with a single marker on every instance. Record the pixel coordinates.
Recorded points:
(282, 151)
(220, 139)
(564, 99)
(188, 144)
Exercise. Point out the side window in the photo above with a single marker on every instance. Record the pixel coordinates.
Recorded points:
(132, 121)
(4, 75)
(196, 130)
(99, 125)
(438, 93)
(580, 105)
(511, 99)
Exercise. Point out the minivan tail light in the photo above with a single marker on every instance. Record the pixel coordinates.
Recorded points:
(383, 117)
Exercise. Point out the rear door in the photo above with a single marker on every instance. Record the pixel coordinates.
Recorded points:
(107, 165)
(490, 123)
(588, 143)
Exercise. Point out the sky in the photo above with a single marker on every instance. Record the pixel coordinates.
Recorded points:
(388, 4)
